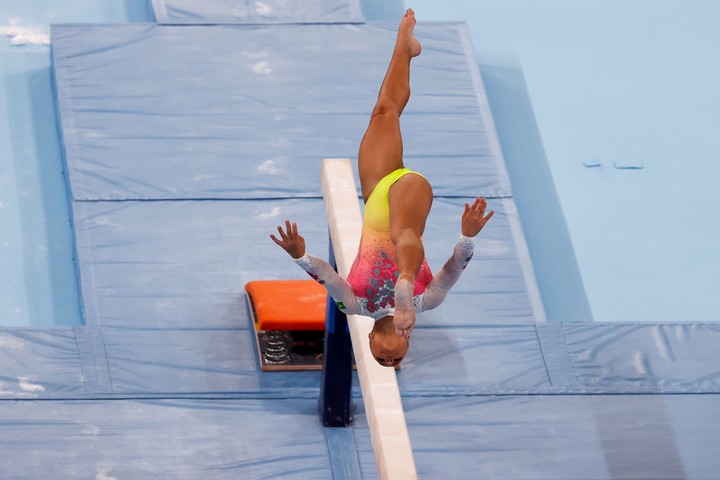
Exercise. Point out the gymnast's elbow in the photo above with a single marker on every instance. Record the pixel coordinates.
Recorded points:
(432, 298)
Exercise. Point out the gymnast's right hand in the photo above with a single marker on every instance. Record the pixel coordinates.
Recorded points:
(404, 322)
(404, 318)
(290, 240)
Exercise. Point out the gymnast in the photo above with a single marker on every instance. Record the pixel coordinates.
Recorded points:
(390, 279)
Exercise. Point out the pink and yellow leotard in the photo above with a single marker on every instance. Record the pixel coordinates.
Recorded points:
(374, 271)
(370, 286)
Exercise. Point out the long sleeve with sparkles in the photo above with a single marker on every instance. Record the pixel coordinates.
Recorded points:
(440, 285)
(338, 288)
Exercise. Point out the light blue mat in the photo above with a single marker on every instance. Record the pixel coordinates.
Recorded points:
(188, 12)
(218, 112)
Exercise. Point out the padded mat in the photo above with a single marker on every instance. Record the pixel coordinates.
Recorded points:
(157, 439)
(181, 112)
(185, 263)
(595, 437)
(187, 12)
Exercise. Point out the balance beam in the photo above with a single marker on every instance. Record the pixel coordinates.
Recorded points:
(381, 395)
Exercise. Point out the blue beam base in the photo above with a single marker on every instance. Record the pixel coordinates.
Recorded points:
(335, 403)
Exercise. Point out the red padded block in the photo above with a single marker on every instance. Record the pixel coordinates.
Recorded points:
(288, 304)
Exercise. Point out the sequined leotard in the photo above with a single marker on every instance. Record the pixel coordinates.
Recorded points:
(370, 286)
(374, 271)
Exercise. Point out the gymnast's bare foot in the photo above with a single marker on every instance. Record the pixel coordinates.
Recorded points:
(406, 39)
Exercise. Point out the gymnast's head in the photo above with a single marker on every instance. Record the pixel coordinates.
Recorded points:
(386, 346)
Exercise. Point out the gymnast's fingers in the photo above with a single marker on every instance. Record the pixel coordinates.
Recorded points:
(289, 228)
(272, 237)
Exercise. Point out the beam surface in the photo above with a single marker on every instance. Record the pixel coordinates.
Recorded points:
(381, 395)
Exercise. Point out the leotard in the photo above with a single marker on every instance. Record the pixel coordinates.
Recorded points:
(370, 286)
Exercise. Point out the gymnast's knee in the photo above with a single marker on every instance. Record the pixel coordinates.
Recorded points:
(385, 110)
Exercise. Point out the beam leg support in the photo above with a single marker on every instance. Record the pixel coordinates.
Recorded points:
(335, 402)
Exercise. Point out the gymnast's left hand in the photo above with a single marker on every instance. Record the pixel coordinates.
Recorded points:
(290, 240)
(474, 218)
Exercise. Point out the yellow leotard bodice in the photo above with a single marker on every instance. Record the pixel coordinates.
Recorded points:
(374, 271)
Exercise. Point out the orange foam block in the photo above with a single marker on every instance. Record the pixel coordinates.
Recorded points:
(288, 304)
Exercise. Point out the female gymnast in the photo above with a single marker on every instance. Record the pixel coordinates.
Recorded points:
(390, 279)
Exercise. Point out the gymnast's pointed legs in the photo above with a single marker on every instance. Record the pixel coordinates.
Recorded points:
(381, 148)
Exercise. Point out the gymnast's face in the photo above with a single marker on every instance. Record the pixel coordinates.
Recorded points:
(386, 346)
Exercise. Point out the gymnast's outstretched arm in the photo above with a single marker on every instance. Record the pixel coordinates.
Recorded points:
(338, 288)
(473, 220)
(445, 279)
